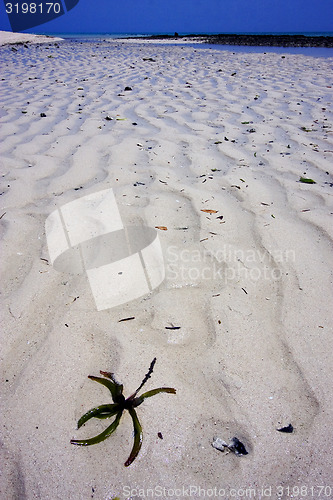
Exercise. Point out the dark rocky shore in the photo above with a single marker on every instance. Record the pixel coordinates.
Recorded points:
(254, 40)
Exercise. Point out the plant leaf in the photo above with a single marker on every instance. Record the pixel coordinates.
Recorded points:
(137, 437)
(102, 411)
(100, 437)
(306, 180)
(119, 387)
(149, 394)
(146, 377)
(115, 389)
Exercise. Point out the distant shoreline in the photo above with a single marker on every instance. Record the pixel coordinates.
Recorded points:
(10, 38)
(250, 40)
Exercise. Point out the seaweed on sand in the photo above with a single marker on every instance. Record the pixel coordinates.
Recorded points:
(120, 404)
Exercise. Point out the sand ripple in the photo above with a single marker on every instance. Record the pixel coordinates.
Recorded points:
(249, 284)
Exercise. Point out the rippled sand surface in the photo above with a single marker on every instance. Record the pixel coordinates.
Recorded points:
(210, 145)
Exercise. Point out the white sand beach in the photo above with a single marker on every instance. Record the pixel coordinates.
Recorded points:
(210, 146)
(7, 37)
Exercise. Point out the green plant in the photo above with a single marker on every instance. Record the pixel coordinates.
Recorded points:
(306, 180)
(120, 405)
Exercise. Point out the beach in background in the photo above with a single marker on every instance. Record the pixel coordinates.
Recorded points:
(228, 157)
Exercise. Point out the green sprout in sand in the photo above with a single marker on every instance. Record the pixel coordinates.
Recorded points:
(117, 408)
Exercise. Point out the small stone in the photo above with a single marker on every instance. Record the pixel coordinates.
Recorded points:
(237, 447)
(127, 88)
(219, 444)
(288, 429)
(42, 115)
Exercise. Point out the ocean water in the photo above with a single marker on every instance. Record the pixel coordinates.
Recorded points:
(310, 51)
(124, 35)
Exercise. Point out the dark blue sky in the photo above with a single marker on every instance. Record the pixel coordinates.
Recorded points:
(189, 16)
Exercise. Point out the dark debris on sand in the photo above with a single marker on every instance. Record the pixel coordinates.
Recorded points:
(252, 40)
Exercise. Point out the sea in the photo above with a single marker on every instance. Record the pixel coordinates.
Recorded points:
(309, 51)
